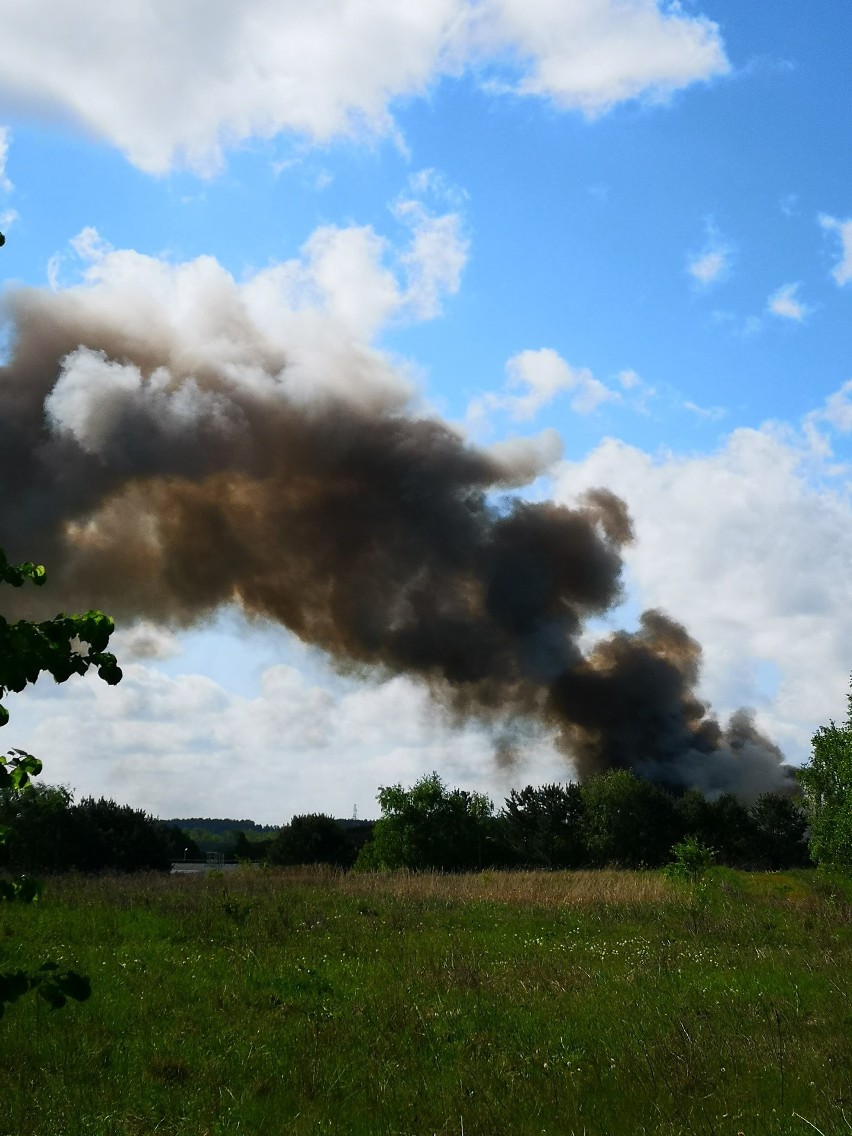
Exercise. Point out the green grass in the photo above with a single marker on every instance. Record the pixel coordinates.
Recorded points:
(309, 1002)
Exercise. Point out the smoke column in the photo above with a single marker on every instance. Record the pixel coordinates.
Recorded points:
(166, 450)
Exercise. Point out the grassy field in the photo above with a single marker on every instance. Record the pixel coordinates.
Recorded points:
(596, 1003)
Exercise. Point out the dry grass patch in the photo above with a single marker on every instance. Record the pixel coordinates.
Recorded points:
(538, 889)
(532, 888)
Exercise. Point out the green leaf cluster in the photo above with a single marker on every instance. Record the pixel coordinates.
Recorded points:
(16, 574)
(16, 769)
(61, 647)
(56, 647)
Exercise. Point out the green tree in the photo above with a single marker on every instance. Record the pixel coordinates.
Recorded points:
(780, 829)
(544, 826)
(47, 832)
(106, 836)
(37, 826)
(732, 832)
(431, 827)
(628, 822)
(312, 839)
(696, 817)
(180, 845)
(827, 784)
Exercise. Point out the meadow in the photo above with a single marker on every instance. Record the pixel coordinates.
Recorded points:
(313, 1001)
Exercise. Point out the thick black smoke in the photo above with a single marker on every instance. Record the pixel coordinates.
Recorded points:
(163, 475)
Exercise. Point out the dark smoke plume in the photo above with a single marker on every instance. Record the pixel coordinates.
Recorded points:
(161, 474)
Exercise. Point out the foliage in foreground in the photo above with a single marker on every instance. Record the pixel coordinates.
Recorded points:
(28, 649)
(52, 984)
(363, 1005)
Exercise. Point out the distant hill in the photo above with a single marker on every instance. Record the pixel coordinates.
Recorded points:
(222, 825)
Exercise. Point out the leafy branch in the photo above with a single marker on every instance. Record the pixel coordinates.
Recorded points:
(61, 647)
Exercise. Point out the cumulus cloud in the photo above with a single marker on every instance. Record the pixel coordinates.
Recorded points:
(750, 547)
(174, 85)
(540, 377)
(842, 271)
(183, 745)
(591, 54)
(785, 303)
(435, 259)
(348, 278)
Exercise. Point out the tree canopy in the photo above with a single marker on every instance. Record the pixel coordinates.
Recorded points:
(827, 782)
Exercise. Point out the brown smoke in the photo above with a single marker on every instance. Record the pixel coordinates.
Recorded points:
(158, 477)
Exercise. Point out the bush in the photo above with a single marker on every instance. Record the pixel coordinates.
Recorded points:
(432, 827)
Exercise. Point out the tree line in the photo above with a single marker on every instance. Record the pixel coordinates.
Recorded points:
(46, 831)
(615, 819)
(612, 820)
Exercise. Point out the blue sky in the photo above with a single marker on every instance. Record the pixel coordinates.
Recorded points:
(628, 223)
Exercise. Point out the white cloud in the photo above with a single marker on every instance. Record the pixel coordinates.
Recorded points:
(842, 271)
(435, 259)
(709, 267)
(750, 550)
(713, 262)
(836, 411)
(785, 303)
(348, 283)
(591, 54)
(172, 84)
(185, 745)
(89, 245)
(541, 376)
(711, 413)
(176, 84)
(5, 138)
